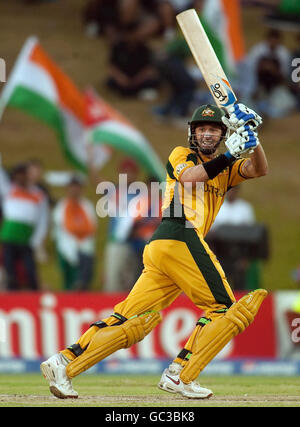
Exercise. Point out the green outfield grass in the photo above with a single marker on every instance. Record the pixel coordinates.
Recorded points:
(141, 391)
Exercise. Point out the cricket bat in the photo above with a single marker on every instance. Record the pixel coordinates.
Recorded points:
(206, 59)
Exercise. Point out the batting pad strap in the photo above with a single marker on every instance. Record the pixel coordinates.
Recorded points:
(100, 324)
(183, 354)
(108, 340)
(76, 349)
(203, 321)
(217, 165)
(219, 332)
(121, 318)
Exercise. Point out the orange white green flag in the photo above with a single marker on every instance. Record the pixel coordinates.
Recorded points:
(221, 20)
(106, 125)
(37, 86)
(40, 88)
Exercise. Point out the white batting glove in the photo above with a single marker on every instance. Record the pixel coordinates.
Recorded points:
(238, 144)
(240, 116)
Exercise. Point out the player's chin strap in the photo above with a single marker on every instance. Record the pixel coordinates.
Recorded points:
(217, 333)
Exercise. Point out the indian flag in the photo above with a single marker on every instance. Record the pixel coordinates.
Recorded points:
(106, 125)
(221, 20)
(37, 86)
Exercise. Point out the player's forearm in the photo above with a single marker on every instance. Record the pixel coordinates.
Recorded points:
(207, 170)
(260, 160)
(194, 174)
(257, 164)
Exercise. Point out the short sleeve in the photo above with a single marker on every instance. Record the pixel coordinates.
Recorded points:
(180, 159)
(235, 174)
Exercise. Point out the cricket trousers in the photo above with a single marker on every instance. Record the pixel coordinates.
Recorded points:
(176, 260)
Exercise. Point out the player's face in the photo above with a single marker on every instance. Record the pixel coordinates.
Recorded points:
(208, 136)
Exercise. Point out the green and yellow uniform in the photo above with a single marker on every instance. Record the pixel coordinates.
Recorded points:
(177, 259)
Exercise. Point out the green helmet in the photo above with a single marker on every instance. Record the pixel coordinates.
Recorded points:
(205, 114)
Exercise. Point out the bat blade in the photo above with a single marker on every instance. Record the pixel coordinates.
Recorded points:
(206, 59)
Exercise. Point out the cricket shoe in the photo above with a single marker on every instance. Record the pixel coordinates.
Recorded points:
(171, 382)
(54, 371)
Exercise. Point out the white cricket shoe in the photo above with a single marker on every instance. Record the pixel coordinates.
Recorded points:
(54, 371)
(171, 382)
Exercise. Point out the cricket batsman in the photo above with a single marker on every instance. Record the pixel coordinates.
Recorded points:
(177, 259)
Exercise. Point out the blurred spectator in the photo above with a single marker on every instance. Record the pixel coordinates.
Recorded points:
(273, 97)
(235, 210)
(131, 72)
(145, 224)
(35, 179)
(171, 64)
(267, 73)
(140, 18)
(284, 14)
(271, 47)
(24, 227)
(75, 226)
(35, 176)
(119, 260)
(101, 17)
(168, 9)
(116, 18)
(241, 272)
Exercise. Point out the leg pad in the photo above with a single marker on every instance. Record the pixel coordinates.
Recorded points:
(216, 334)
(112, 338)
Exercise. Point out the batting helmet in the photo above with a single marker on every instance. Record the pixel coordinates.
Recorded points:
(206, 114)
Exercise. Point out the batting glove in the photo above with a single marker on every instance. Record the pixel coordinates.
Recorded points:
(238, 144)
(240, 116)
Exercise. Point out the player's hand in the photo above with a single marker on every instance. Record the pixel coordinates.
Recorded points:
(240, 116)
(238, 144)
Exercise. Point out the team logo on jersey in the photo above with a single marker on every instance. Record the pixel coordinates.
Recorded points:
(180, 168)
(208, 112)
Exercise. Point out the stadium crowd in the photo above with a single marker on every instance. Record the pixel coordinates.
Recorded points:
(30, 216)
(137, 66)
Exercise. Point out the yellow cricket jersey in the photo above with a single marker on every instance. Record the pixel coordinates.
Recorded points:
(198, 205)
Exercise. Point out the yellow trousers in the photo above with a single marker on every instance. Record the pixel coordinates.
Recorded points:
(176, 266)
(177, 260)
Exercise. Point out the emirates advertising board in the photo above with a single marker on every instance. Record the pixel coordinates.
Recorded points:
(34, 326)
